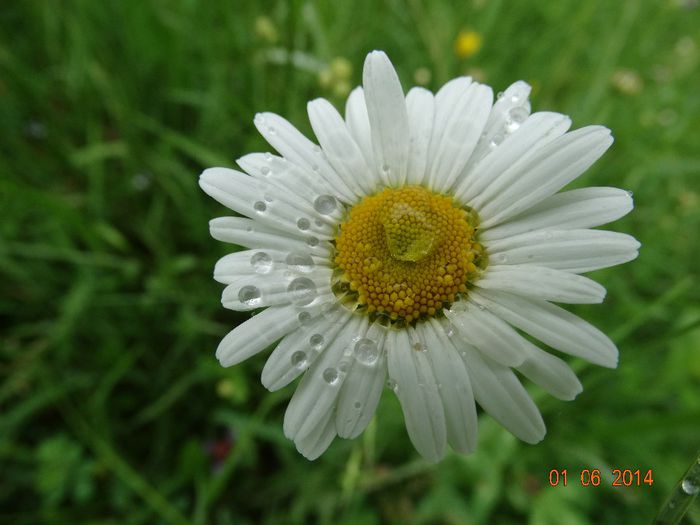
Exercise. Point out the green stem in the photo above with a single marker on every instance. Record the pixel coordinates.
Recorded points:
(682, 496)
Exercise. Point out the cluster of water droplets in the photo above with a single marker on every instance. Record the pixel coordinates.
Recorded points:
(516, 110)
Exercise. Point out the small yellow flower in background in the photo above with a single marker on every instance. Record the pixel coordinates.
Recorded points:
(422, 76)
(627, 82)
(336, 76)
(266, 30)
(468, 43)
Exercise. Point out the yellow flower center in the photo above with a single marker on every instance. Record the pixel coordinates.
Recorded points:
(406, 253)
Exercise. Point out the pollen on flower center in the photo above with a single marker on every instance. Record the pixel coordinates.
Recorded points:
(406, 253)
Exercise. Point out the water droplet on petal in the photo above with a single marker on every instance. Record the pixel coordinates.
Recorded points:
(318, 222)
(303, 224)
(343, 366)
(261, 262)
(496, 140)
(501, 258)
(366, 351)
(357, 405)
(265, 170)
(391, 385)
(316, 341)
(516, 116)
(260, 206)
(250, 295)
(418, 347)
(271, 130)
(689, 487)
(312, 241)
(268, 198)
(330, 376)
(299, 359)
(630, 194)
(325, 204)
(302, 291)
(304, 317)
(299, 262)
(499, 94)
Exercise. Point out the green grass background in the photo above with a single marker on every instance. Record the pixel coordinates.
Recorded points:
(110, 396)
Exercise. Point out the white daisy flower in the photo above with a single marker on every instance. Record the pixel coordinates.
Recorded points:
(414, 247)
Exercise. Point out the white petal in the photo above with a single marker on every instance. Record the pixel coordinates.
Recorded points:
(266, 204)
(318, 390)
(296, 148)
(510, 107)
(552, 325)
(251, 234)
(551, 373)
(259, 332)
(357, 121)
(417, 391)
(279, 287)
(455, 387)
(300, 186)
(576, 251)
(542, 283)
(363, 385)
(537, 131)
(546, 172)
(460, 116)
(581, 208)
(262, 262)
(388, 118)
(488, 333)
(312, 445)
(298, 350)
(420, 105)
(500, 393)
(340, 148)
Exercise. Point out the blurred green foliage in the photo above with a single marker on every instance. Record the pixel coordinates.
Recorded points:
(112, 406)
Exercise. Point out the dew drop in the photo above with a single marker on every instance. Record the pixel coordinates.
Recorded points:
(357, 405)
(366, 351)
(385, 168)
(250, 295)
(249, 229)
(499, 94)
(312, 241)
(265, 170)
(261, 262)
(271, 130)
(418, 347)
(689, 487)
(304, 317)
(450, 332)
(325, 204)
(330, 376)
(316, 341)
(303, 224)
(318, 222)
(268, 198)
(391, 385)
(299, 262)
(501, 258)
(496, 140)
(629, 193)
(268, 157)
(260, 206)
(299, 359)
(516, 116)
(343, 366)
(302, 291)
